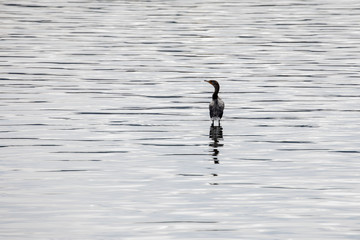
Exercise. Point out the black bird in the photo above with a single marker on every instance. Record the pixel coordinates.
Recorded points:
(217, 105)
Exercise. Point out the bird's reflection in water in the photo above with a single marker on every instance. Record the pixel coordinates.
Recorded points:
(216, 134)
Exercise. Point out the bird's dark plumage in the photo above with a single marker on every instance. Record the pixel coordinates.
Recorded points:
(217, 105)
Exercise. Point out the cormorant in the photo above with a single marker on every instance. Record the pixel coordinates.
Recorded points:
(217, 105)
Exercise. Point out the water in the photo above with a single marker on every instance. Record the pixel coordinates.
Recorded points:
(105, 131)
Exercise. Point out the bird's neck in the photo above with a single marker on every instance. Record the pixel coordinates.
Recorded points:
(216, 92)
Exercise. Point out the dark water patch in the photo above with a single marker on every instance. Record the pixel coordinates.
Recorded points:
(290, 126)
(283, 141)
(71, 63)
(60, 109)
(33, 145)
(286, 188)
(184, 221)
(298, 42)
(40, 74)
(301, 110)
(76, 88)
(140, 125)
(19, 85)
(165, 96)
(19, 138)
(154, 138)
(302, 126)
(38, 101)
(266, 118)
(347, 151)
(69, 129)
(85, 54)
(25, 124)
(17, 56)
(93, 152)
(35, 102)
(37, 21)
(348, 84)
(61, 118)
(171, 50)
(190, 175)
(218, 230)
(170, 145)
(350, 110)
(142, 83)
(24, 5)
(67, 170)
(94, 91)
(305, 87)
(186, 154)
(344, 96)
(71, 140)
(303, 149)
(19, 73)
(129, 113)
(77, 160)
(45, 74)
(292, 4)
(254, 118)
(103, 80)
(156, 108)
(132, 130)
(105, 69)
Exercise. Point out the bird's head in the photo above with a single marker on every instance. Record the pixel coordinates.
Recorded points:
(213, 82)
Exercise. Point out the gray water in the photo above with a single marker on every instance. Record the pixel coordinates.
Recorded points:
(105, 131)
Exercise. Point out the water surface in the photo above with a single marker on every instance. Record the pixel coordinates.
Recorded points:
(105, 131)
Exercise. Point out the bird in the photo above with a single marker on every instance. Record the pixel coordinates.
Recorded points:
(216, 106)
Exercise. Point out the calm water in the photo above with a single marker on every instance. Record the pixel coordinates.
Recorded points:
(105, 131)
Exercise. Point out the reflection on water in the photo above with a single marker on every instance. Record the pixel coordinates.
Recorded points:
(216, 134)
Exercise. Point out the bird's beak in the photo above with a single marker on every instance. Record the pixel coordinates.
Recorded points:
(207, 81)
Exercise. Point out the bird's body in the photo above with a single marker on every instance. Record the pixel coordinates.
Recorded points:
(216, 107)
